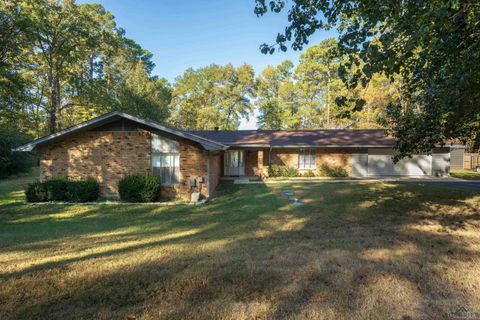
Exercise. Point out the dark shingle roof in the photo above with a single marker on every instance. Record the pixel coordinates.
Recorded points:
(113, 117)
(298, 138)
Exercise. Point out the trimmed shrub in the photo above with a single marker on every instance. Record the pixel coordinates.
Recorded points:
(275, 170)
(56, 189)
(328, 171)
(309, 173)
(82, 191)
(290, 172)
(60, 189)
(36, 192)
(139, 188)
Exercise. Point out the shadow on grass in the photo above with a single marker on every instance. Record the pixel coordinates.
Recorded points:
(353, 251)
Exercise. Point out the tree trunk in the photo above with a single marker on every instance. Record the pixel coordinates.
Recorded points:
(91, 66)
(59, 100)
(327, 99)
(53, 97)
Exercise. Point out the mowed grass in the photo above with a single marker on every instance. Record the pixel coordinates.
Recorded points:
(354, 251)
(466, 174)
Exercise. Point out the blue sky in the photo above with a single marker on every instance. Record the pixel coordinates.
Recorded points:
(196, 33)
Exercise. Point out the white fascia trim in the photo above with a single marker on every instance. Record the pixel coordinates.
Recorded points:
(249, 146)
(33, 144)
(207, 144)
(334, 146)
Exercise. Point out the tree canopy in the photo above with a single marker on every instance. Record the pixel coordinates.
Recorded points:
(410, 67)
(305, 96)
(62, 63)
(278, 100)
(214, 96)
(430, 47)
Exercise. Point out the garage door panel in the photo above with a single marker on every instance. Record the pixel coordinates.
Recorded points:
(359, 165)
(418, 165)
(441, 164)
(380, 163)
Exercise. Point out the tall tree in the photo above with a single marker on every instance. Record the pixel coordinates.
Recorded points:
(62, 63)
(432, 45)
(277, 98)
(307, 96)
(122, 82)
(213, 96)
(63, 35)
(379, 93)
(14, 38)
(320, 85)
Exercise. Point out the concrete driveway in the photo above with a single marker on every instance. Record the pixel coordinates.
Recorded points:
(456, 184)
(447, 182)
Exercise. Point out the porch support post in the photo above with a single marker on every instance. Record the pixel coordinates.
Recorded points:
(260, 163)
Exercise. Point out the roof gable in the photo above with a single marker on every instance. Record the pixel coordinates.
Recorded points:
(115, 116)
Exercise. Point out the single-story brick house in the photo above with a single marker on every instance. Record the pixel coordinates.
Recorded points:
(116, 144)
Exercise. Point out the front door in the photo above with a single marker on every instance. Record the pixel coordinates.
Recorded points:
(234, 163)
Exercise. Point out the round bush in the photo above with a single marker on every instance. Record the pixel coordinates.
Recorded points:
(36, 192)
(82, 191)
(139, 188)
(56, 189)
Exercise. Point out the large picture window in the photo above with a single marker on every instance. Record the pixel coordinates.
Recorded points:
(306, 159)
(166, 159)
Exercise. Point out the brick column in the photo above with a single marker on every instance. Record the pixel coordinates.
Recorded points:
(260, 163)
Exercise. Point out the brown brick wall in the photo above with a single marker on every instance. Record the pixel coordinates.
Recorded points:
(336, 157)
(251, 162)
(109, 155)
(261, 163)
(215, 171)
(193, 164)
(105, 156)
(284, 157)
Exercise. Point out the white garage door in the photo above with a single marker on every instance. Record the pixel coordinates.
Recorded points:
(380, 163)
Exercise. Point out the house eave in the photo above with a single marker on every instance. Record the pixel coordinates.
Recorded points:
(112, 116)
(293, 146)
(333, 146)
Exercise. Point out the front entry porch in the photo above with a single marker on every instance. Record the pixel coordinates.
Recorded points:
(248, 163)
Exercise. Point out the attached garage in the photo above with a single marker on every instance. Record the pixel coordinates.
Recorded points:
(378, 162)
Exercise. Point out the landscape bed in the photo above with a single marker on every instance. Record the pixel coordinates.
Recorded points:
(352, 251)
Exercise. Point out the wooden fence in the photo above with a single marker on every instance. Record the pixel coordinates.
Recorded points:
(471, 160)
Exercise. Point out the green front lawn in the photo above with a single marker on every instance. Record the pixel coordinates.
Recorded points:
(353, 251)
(466, 174)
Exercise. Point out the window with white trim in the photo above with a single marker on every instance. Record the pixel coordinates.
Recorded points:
(166, 159)
(306, 159)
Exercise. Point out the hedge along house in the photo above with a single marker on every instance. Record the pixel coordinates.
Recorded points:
(117, 144)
